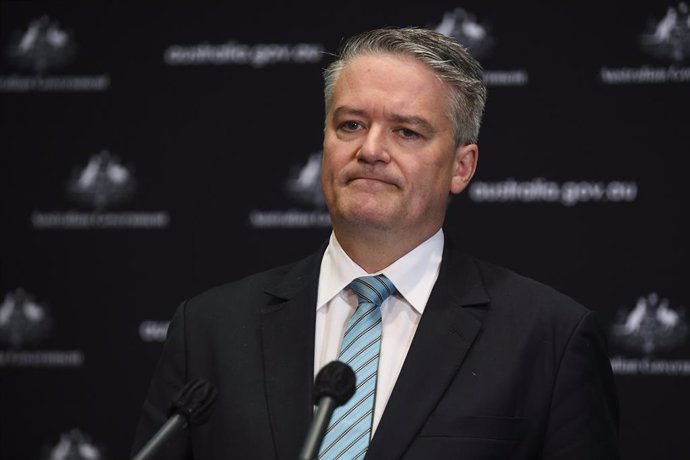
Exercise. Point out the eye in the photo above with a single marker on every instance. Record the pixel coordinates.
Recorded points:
(408, 133)
(350, 126)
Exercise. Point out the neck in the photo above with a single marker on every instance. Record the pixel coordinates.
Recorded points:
(376, 249)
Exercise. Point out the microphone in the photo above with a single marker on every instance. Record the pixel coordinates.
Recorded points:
(191, 406)
(333, 387)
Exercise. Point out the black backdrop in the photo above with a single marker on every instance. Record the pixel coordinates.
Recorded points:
(149, 152)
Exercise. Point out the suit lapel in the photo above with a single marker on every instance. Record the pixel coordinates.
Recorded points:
(287, 329)
(444, 336)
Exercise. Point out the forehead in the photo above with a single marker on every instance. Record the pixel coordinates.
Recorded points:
(392, 82)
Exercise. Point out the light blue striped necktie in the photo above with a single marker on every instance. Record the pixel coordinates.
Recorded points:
(349, 431)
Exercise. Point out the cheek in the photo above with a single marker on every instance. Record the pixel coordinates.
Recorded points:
(432, 179)
(330, 142)
(329, 172)
(333, 162)
(326, 165)
(324, 175)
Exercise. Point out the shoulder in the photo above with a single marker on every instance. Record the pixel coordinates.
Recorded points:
(258, 289)
(253, 283)
(531, 312)
(505, 284)
(253, 286)
(515, 298)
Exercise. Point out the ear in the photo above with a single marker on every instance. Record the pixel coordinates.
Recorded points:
(466, 157)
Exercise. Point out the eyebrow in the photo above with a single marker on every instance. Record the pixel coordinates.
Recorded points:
(405, 119)
(414, 121)
(346, 110)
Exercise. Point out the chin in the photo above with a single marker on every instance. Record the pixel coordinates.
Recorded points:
(373, 220)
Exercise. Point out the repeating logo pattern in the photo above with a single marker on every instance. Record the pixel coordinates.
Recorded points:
(669, 37)
(466, 29)
(647, 331)
(23, 321)
(665, 38)
(302, 189)
(651, 326)
(42, 48)
(102, 183)
(74, 445)
(542, 190)
(304, 184)
(477, 36)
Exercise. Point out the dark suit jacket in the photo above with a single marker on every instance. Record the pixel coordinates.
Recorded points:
(501, 367)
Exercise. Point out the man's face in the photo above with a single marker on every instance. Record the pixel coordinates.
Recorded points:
(389, 160)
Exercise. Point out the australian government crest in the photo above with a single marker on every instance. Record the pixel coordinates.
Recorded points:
(478, 37)
(665, 39)
(39, 53)
(648, 333)
(304, 205)
(74, 444)
(25, 323)
(104, 182)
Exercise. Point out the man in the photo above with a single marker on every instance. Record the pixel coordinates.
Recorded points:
(473, 361)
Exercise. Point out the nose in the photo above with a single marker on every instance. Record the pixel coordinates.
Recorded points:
(374, 147)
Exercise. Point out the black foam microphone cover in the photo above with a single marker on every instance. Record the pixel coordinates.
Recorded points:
(194, 401)
(337, 380)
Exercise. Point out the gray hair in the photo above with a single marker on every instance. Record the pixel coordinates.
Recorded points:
(448, 59)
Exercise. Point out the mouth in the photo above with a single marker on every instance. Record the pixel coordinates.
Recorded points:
(371, 180)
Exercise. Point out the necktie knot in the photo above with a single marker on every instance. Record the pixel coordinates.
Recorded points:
(372, 289)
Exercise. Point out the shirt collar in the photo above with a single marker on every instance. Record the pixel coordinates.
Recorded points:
(414, 274)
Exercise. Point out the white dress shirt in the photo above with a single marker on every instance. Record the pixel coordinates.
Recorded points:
(413, 275)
